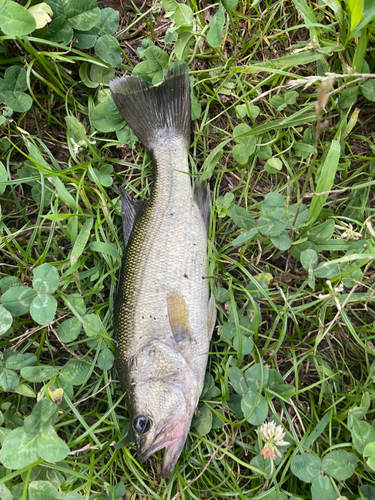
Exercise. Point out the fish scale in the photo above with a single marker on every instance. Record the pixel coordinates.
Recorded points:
(163, 315)
(178, 240)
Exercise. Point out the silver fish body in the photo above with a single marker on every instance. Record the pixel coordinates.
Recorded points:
(164, 317)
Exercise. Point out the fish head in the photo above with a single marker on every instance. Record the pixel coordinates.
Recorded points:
(162, 414)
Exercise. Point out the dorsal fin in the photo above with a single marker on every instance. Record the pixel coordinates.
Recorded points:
(178, 316)
(131, 211)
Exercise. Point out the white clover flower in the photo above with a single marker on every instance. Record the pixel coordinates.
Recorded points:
(340, 288)
(272, 435)
(349, 233)
(333, 294)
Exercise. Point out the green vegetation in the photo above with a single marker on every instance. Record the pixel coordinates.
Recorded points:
(283, 97)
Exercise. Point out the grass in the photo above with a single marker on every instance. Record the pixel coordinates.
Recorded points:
(292, 271)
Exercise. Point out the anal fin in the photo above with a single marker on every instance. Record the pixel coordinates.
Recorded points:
(178, 316)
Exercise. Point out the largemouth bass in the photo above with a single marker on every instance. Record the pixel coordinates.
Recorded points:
(164, 317)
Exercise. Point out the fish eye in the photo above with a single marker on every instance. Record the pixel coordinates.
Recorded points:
(142, 424)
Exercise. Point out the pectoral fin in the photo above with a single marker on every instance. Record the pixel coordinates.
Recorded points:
(131, 210)
(211, 317)
(178, 316)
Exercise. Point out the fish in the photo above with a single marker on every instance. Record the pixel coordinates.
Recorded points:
(164, 314)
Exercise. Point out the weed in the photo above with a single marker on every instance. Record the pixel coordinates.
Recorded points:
(282, 97)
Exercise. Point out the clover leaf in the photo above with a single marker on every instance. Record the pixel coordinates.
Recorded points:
(154, 66)
(40, 490)
(106, 359)
(103, 175)
(106, 117)
(43, 308)
(108, 50)
(306, 466)
(339, 464)
(15, 19)
(117, 492)
(5, 320)
(9, 380)
(41, 373)
(275, 219)
(271, 225)
(285, 100)
(70, 15)
(35, 439)
(203, 422)
(108, 24)
(247, 109)
(19, 299)
(44, 305)
(46, 279)
(237, 380)
(69, 330)
(75, 372)
(368, 90)
(254, 407)
(247, 385)
(242, 218)
(273, 165)
(12, 88)
(93, 75)
(106, 46)
(246, 144)
(42, 13)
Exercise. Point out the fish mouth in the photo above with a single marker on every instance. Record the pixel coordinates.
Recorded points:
(172, 453)
(171, 436)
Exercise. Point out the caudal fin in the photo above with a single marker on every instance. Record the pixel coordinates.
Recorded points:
(151, 111)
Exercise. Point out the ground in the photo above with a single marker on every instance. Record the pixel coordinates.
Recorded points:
(283, 100)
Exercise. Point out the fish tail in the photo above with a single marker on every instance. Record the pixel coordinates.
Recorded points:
(151, 111)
